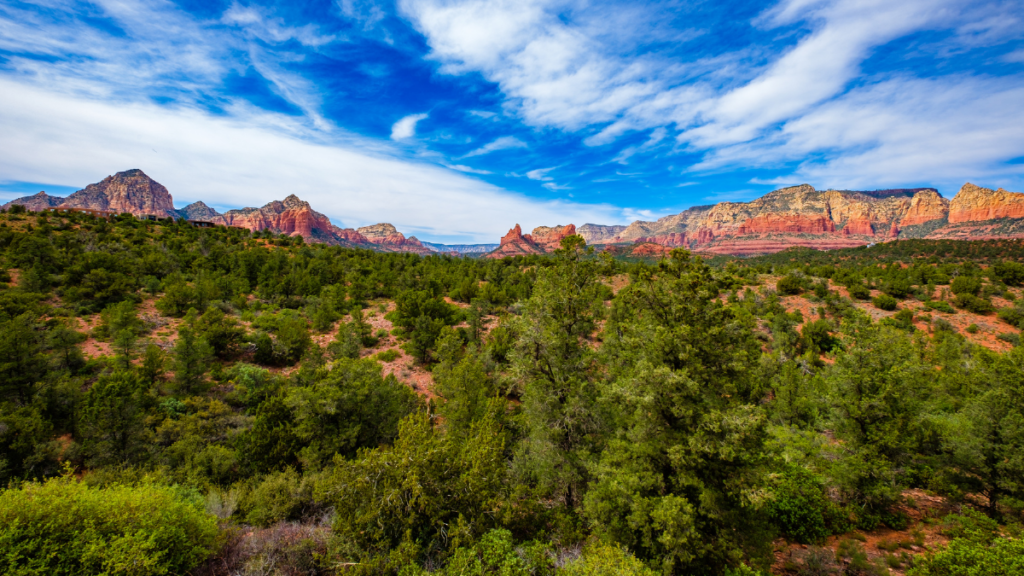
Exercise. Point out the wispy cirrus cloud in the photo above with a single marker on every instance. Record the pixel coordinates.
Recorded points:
(561, 65)
(503, 143)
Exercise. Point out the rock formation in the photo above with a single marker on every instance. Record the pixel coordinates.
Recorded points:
(515, 243)
(794, 216)
(803, 216)
(974, 204)
(130, 191)
(550, 238)
(199, 211)
(387, 236)
(598, 233)
(36, 202)
(291, 216)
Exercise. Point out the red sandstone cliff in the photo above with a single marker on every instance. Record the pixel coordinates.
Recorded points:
(387, 236)
(129, 191)
(543, 239)
(974, 204)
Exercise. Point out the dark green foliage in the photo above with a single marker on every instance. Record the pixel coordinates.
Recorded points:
(1009, 273)
(801, 510)
(965, 285)
(818, 338)
(22, 363)
(112, 420)
(351, 407)
(974, 304)
(63, 527)
(789, 285)
(456, 498)
(877, 388)
(687, 434)
(884, 302)
(192, 355)
(859, 291)
(555, 366)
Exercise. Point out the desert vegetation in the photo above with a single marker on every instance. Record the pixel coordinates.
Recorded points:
(180, 400)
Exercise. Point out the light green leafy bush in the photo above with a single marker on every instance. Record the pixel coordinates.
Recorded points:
(63, 526)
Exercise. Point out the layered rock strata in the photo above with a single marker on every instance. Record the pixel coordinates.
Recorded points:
(543, 239)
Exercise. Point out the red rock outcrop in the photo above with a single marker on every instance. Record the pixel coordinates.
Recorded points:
(387, 236)
(515, 243)
(793, 216)
(925, 206)
(35, 203)
(290, 216)
(974, 204)
(858, 227)
(550, 238)
(130, 191)
(787, 224)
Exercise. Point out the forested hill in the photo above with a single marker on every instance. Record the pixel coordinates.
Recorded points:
(183, 400)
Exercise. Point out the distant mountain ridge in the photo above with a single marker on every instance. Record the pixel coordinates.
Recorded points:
(791, 216)
(133, 192)
(803, 216)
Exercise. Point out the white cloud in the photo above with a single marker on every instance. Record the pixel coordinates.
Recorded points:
(253, 157)
(269, 29)
(503, 143)
(575, 66)
(406, 127)
(540, 174)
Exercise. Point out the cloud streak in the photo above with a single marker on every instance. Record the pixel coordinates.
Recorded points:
(406, 127)
(250, 160)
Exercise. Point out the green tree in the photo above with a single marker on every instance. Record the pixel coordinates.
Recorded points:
(192, 355)
(353, 406)
(112, 420)
(679, 482)
(556, 367)
(22, 362)
(876, 390)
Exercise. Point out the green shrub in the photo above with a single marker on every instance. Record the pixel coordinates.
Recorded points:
(966, 285)
(63, 526)
(496, 553)
(1010, 337)
(977, 549)
(940, 306)
(884, 302)
(280, 496)
(974, 304)
(387, 356)
(859, 291)
(1013, 316)
(789, 285)
(606, 559)
(801, 511)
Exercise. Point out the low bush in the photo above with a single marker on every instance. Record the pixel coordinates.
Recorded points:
(940, 306)
(63, 526)
(1013, 316)
(789, 285)
(801, 510)
(387, 355)
(974, 304)
(884, 302)
(859, 291)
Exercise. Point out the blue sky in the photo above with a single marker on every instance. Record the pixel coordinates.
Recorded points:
(456, 119)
